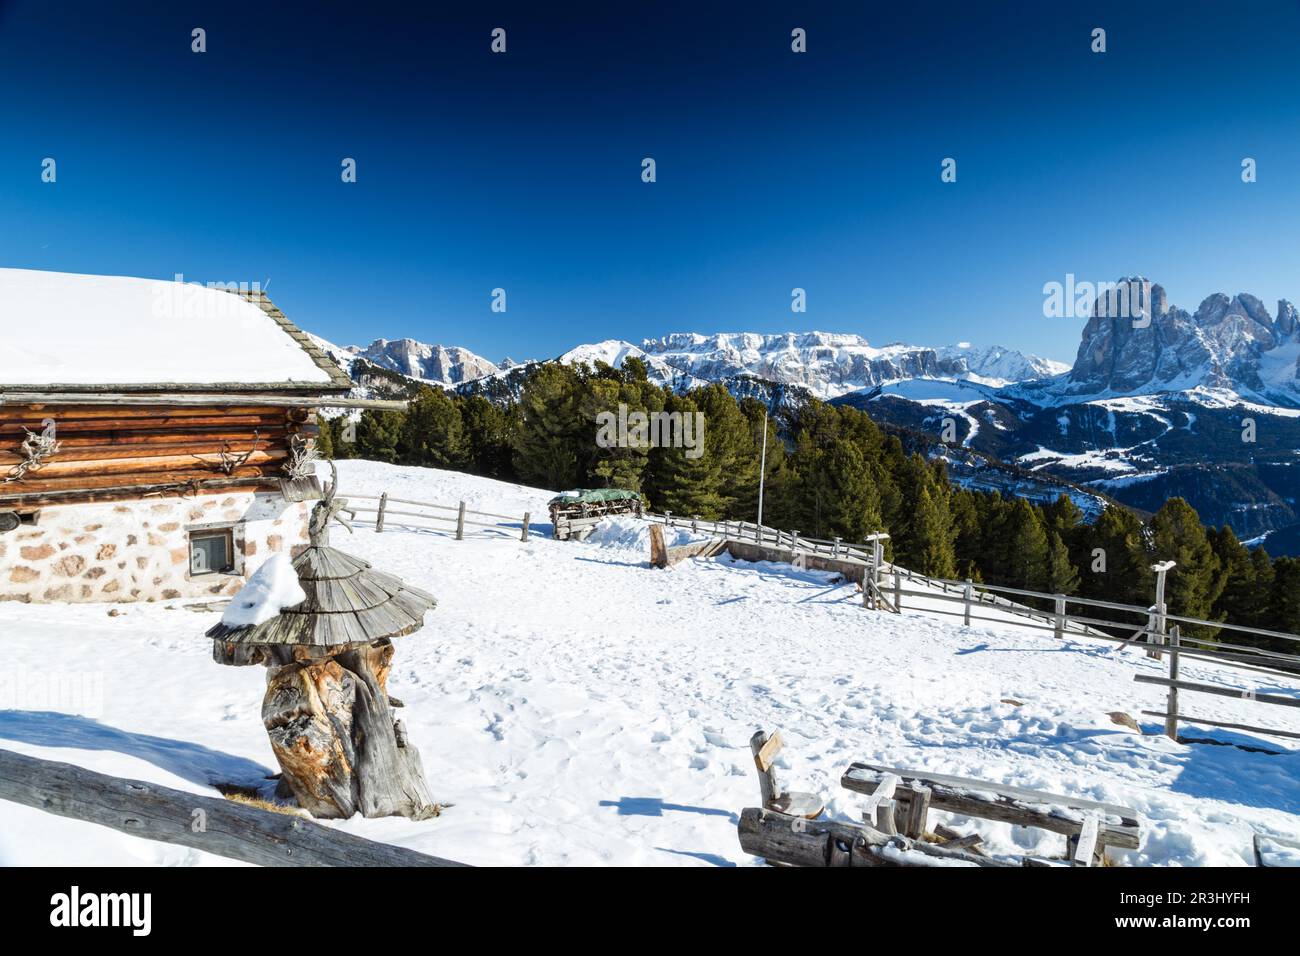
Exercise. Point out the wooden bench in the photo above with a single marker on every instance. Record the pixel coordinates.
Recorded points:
(1089, 826)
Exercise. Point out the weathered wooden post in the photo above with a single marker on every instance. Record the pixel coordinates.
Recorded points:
(695, 524)
(1058, 629)
(1159, 609)
(1171, 704)
(379, 521)
(917, 810)
(797, 804)
(835, 552)
(794, 540)
(524, 536)
(967, 593)
(764, 749)
(328, 656)
(460, 522)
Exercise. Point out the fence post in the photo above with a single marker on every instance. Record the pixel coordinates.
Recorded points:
(898, 590)
(524, 537)
(794, 540)
(695, 524)
(1159, 610)
(668, 518)
(379, 522)
(966, 606)
(1058, 631)
(460, 523)
(835, 553)
(1171, 705)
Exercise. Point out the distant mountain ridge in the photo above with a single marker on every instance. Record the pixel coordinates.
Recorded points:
(1153, 406)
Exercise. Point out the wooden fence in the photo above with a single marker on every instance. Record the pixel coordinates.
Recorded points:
(1159, 632)
(458, 516)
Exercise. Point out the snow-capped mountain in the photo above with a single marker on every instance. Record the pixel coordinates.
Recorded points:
(434, 364)
(834, 364)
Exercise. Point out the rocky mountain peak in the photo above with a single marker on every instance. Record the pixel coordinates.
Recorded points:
(1135, 342)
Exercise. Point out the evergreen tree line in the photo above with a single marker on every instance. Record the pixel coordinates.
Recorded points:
(836, 474)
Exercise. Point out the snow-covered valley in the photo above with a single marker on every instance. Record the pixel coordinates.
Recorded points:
(574, 706)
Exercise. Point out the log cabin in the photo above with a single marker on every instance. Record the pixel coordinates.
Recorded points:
(156, 437)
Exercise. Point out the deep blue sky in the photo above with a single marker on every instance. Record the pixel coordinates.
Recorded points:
(775, 170)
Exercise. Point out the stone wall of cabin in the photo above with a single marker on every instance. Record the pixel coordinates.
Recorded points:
(138, 550)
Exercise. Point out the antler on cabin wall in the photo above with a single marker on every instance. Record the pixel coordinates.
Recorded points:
(37, 448)
(226, 462)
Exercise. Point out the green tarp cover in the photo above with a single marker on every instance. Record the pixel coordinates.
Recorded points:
(593, 494)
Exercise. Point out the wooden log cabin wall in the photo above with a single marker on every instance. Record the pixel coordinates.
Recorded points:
(149, 490)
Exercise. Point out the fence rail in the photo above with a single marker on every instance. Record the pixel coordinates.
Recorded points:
(239, 831)
(1158, 631)
(460, 519)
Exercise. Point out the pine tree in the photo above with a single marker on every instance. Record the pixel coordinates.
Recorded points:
(1024, 547)
(621, 462)
(930, 536)
(1242, 600)
(432, 433)
(1062, 575)
(730, 439)
(1116, 565)
(968, 537)
(490, 432)
(1284, 600)
(1193, 586)
(681, 481)
(852, 505)
(324, 439)
(1066, 518)
(923, 533)
(552, 439)
(378, 435)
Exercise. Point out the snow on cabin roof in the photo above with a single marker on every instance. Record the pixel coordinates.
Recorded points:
(64, 332)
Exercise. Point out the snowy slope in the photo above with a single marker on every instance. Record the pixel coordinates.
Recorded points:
(576, 706)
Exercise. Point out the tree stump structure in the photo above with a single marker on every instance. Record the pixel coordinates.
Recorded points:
(327, 711)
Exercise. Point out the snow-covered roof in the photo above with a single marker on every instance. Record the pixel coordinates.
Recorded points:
(63, 332)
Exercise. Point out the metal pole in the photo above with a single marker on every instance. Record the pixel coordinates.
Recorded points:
(762, 470)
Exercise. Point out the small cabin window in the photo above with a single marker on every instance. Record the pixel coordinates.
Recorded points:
(212, 552)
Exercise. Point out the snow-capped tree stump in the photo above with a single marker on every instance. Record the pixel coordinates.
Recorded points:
(338, 744)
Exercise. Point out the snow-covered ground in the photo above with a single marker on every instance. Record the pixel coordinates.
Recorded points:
(575, 706)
